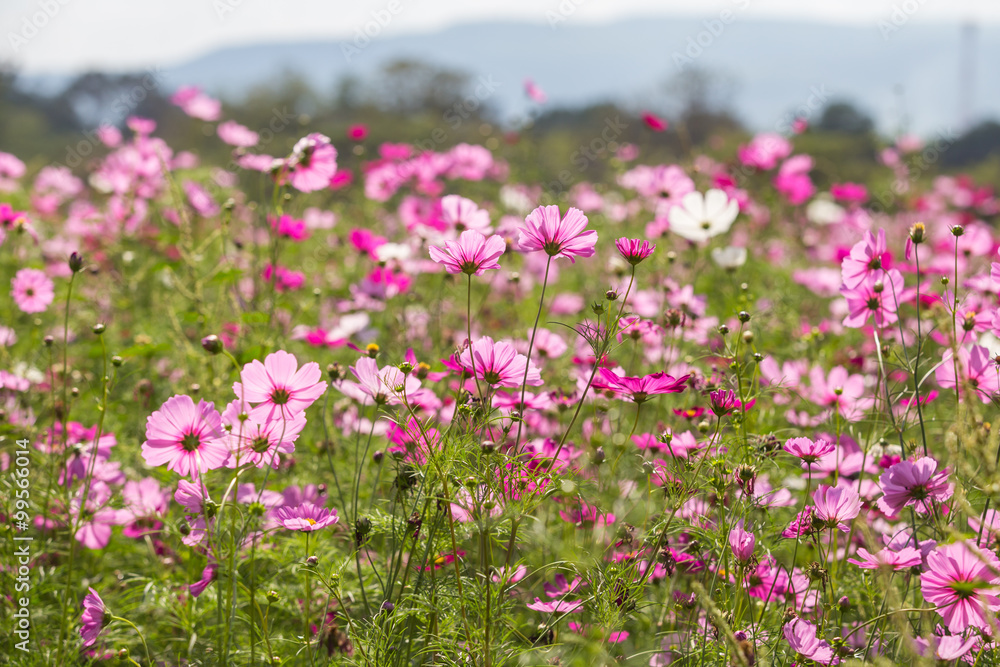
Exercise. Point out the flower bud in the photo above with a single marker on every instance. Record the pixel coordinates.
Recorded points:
(75, 262)
(599, 456)
(212, 344)
(98, 328)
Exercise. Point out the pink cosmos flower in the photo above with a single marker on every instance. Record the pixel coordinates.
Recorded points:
(556, 606)
(197, 104)
(741, 542)
(913, 483)
(807, 450)
(868, 258)
(32, 290)
(557, 236)
(145, 506)
(207, 577)
(357, 132)
(11, 169)
(462, 214)
(312, 163)
(886, 558)
(764, 151)
(953, 647)
(961, 580)
(306, 517)
(639, 389)
(90, 509)
(771, 582)
(186, 437)
(259, 443)
(472, 254)
(836, 504)
(801, 636)
(874, 296)
(498, 363)
(534, 92)
(289, 227)
(235, 134)
(849, 192)
(95, 617)
(285, 280)
(279, 387)
(634, 251)
(386, 385)
(200, 199)
(793, 179)
(654, 122)
(190, 495)
(976, 366)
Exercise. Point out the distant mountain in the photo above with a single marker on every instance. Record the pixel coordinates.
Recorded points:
(902, 70)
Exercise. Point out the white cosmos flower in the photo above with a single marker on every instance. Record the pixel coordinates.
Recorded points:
(822, 211)
(730, 257)
(700, 217)
(388, 251)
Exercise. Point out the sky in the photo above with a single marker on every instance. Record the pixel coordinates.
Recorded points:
(69, 36)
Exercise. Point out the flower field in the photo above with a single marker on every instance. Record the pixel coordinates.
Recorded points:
(368, 404)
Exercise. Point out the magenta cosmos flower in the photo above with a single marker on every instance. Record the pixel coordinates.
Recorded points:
(95, 617)
(961, 581)
(557, 236)
(498, 363)
(634, 251)
(801, 636)
(186, 437)
(313, 163)
(306, 517)
(639, 389)
(807, 450)
(471, 254)
(32, 290)
(914, 483)
(279, 387)
(836, 504)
